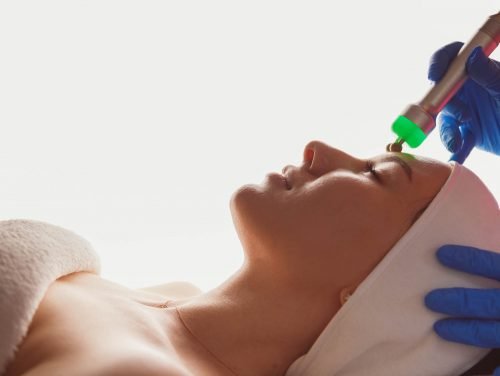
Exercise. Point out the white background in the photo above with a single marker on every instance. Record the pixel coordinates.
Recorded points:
(132, 123)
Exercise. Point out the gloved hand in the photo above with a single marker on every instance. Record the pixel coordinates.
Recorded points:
(472, 117)
(476, 312)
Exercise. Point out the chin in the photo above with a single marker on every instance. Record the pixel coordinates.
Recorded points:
(250, 205)
(252, 214)
(244, 199)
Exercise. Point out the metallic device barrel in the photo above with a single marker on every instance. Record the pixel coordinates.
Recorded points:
(424, 112)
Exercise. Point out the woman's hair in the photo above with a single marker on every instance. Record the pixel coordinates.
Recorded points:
(485, 366)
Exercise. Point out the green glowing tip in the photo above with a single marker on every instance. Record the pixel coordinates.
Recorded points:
(408, 131)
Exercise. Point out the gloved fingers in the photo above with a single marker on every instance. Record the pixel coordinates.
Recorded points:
(441, 59)
(457, 108)
(449, 132)
(455, 113)
(462, 302)
(485, 71)
(468, 143)
(470, 260)
(480, 333)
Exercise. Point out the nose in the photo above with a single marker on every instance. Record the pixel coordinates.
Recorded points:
(322, 158)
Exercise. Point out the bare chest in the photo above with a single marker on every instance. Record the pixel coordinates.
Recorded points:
(96, 330)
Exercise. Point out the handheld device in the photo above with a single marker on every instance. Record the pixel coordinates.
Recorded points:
(418, 120)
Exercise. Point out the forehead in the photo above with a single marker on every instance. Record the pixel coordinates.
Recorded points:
(412, 159)
(424, 170)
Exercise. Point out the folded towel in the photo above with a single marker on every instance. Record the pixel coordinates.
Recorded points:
(384, 328)
(33, 254)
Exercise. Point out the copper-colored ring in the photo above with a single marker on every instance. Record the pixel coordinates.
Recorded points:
(394, 147)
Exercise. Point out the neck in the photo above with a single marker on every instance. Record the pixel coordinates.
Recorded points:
(255, 323)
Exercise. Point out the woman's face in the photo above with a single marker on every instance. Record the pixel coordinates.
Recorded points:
(334, 217)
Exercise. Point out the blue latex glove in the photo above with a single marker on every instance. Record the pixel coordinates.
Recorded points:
(476, 312)
(472, 117)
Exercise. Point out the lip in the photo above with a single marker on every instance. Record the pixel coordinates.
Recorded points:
(287, 184)
(279, 179)
(288, 172)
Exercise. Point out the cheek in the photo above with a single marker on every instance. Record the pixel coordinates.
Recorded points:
(325, 214)
(355, 215)
(342, 228)
(374, 231)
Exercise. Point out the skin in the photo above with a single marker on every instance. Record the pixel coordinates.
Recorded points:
(304, 244)
(302, 247)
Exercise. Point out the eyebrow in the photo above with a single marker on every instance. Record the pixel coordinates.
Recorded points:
(406, 167)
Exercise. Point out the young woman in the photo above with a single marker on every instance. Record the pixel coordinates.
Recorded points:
(309, 237)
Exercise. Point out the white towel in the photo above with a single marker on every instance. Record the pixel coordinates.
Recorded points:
(384, 329)
(33, 254)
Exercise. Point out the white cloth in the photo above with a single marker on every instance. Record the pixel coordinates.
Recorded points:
(384, 328)
(33, 254)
